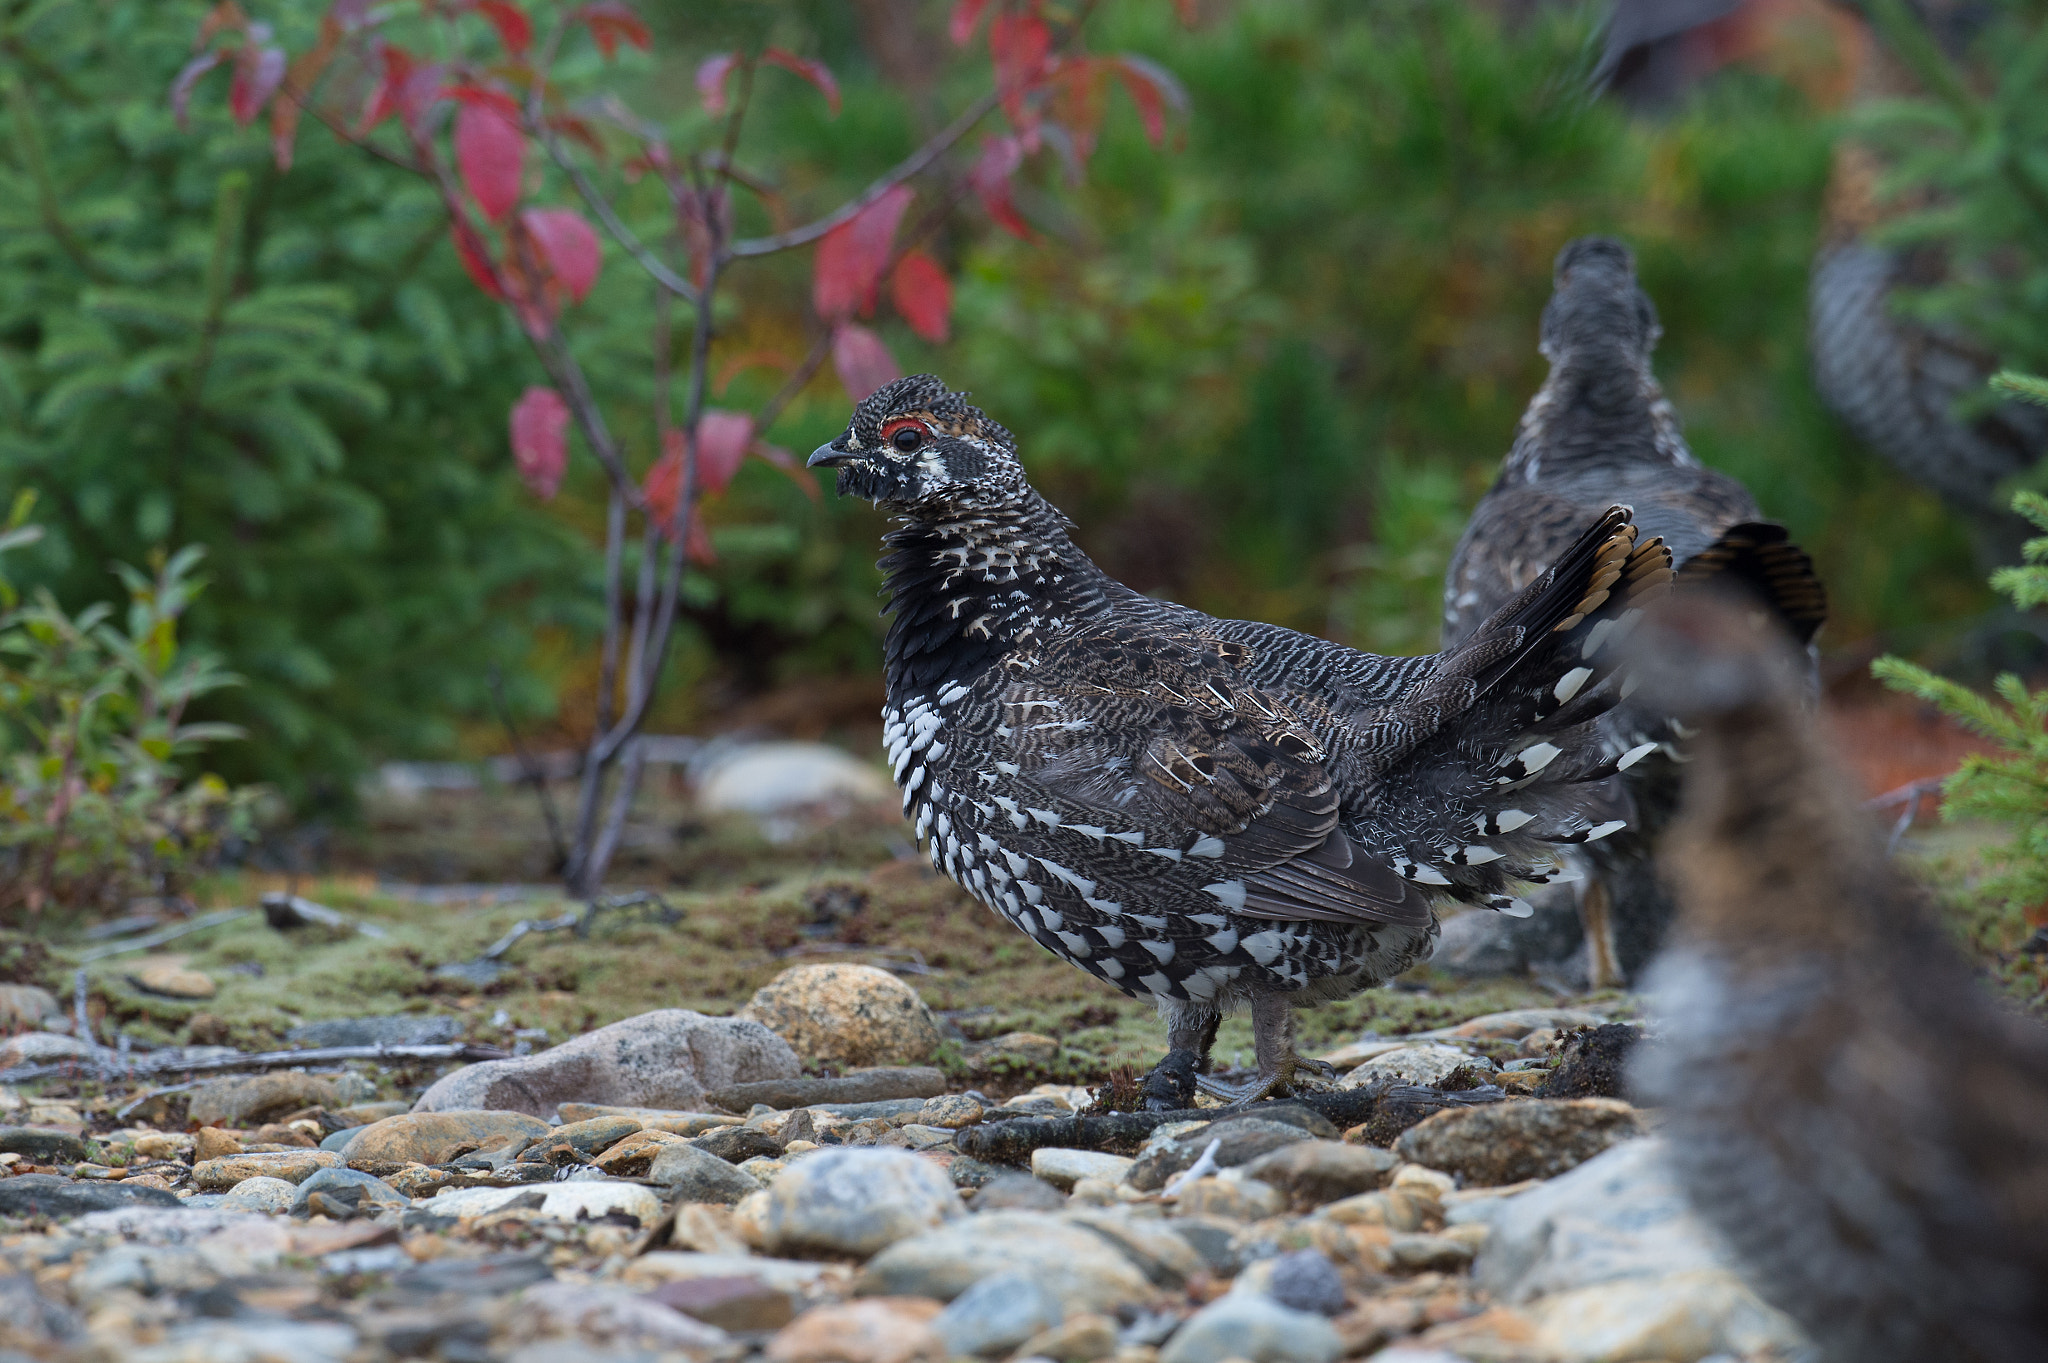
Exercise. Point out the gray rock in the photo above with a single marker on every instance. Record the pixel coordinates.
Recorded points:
(34, 1320)
(693, 1175)
(337, 1141)
(59, 1198)
(738, 1144)
(1245, 1325)
(41, 1048)
(854, 1201)
(271, 1341)
(402, 1030)
(140, 1268)
(1064, 1168)
(41, 1145)
(594, 1135)
(881, 1107)
(1425, 1065)
(260, 1098)
(1508, 1142)
(259, 1194)
(352, 1189)
(862, 1086)
(1316, 1172)
(1148, 1241)
(1018, 1193)
(438, 1137)
(668, 1058)
(1215, 1240)
(1306, 1280)
(1241, 1140)
(996, 1315)
(768, 779)
(1082, 1270)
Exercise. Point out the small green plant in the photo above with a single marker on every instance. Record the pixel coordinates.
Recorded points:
(2008, 786)
(94, 804)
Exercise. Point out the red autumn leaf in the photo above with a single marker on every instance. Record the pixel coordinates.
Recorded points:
(225, 17)
(923, 295)
(852, 256)
(1153, 89)
(398, 71)
(299, 79)
(490, 152)
(1078, 87)
(816, 72)
(540, 440)
(612, 22)
(863, 362)
(181, 88)
(568, 246)
(258, 73)
(485, 96)
(711, 78)
(1019, 44)
(990, 176)
(515, 30)
(663, 483)
(722, 441)
(475, 256)
(966, 16)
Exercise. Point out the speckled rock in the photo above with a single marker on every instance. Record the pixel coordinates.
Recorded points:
(630, 1157)
(1062, 1168)
(567, 1201)
(996, 1315)
(693, 1175)
(171, 977)
(343, 1192)
(595, 1135)
(847, 1015)
(879, 1330)
(663, 1059)
(259, 1098)
(437, 1137)
(1239, 1140)
(1509, 1142)
(1427, 1065)
(1304, 1280)
(951, 1111)
(1082, 1270)
(293, 1166)
(850, 1201)
(1682, 1316)
(1252, 1327)
(1312, 1173)
(260, 1194)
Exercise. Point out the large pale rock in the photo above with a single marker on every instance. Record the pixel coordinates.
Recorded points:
(1683, 1317)
(774, 778)
(879, 1330)
(1082, 1270)
(42, 1048)
(850, 1200)
(570, 1201)
(24, 1005)
(1427, 1065)
(1249, 1326)
(260, 1194)
(260, 1098)
(664, 1059)
(1064, 1168)
(1238, 1140)
(1509, 1142)
(437, 1137)
(847, 1015)
(172, 978)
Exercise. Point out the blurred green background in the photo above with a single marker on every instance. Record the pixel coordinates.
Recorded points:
(1267, 369)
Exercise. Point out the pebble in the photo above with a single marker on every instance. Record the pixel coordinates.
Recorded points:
(1146, 1239)
(164, 1145)
(1080, 1339)
(1082, 1270)
(1249, 1326)
(1509, 1142)
(27, 1195)
(605, 1312)
(172, 978)
(348, 1191)
(42, 1145)
(650, 1118)
(783, 1127)
(1426, 1065)
(996, 1315)
(1313, 1173)
(1413, 1253)
(879, 1330)
(666, 1266)
(1062, 1168)
(1230, 1198)
(630, 1157)
(259, 1098)
(951, 1111)
(1239, 1141)
(593, 1135)
(1397, 1209)
(847, 1015)
(741, 1302)
(1304, 1280)
(293, 1166)
(693, 1175)
(25, 1005)
(777, 778)
(438, 1137)
(260, 1194)
(1018, 1193)
(737, 1144)
(862, 1086)
(1019, 1050)
(850, 1201)
(210, 1142)
(668, 1058)
(565, 1201)
(41, 1048)
(1680, 1316)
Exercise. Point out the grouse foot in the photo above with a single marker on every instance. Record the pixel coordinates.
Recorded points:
(1170, 1085)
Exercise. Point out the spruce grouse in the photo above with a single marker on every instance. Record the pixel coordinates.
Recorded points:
(1600, 431)
(1865, 1123)
(1213, 813)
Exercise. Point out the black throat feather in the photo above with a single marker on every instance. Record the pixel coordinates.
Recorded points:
(968, 589)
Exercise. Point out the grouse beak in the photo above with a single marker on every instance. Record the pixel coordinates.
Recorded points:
(827, 456)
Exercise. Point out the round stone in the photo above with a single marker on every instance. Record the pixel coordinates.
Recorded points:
(846, 1015)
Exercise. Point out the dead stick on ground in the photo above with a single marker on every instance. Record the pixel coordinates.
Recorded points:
(262, 1060)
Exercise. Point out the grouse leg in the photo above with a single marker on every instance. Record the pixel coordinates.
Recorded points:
(1596, 917)
(1273, 1045)
(1190, 1034)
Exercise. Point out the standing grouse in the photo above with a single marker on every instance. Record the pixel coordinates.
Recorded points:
(1214, 813)
(1864, 1123)
(1600, 431)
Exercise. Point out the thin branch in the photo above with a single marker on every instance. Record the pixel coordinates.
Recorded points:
(771, 411)
(910, 166)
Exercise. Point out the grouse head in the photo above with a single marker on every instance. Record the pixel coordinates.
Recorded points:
(917, 447)
(1595, 306)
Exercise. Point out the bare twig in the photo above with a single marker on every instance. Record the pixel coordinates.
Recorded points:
(176, 1063)
(156, 939)
(1909, 797)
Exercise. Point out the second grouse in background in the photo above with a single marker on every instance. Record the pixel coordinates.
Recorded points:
(1600, 431)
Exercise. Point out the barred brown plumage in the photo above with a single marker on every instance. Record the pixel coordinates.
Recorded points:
(1214, 813)
(1600, 431)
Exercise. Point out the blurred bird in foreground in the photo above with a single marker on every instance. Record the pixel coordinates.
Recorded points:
(1867, 1127)
(1216, 814)
(1600, 431)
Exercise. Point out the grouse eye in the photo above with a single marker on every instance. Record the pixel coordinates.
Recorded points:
(907, 439)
